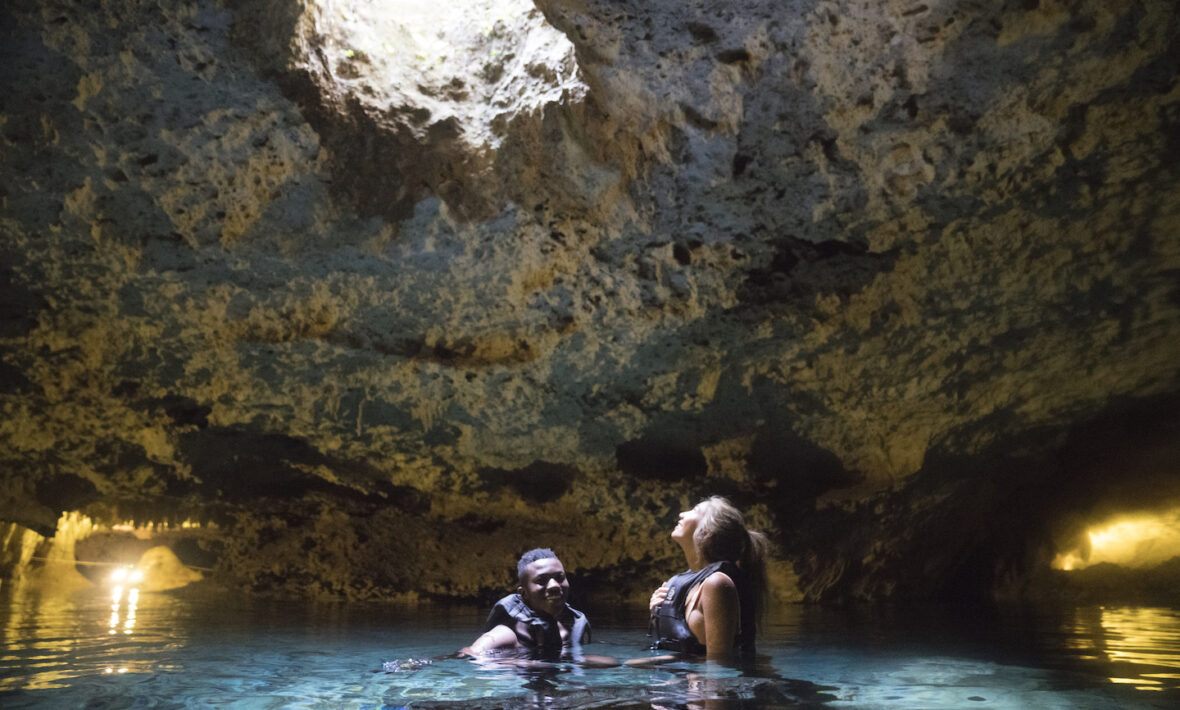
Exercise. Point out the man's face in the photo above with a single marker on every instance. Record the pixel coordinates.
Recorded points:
(544, 586)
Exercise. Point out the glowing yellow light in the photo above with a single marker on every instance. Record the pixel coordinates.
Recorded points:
(1068, 562)
(135, 576)
(1142, 540)
(118, 575)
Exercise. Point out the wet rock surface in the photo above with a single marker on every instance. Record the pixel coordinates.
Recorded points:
(841, 263)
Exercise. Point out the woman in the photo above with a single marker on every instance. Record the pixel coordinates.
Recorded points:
(712, 608)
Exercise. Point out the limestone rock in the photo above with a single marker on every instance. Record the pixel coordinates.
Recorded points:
(162, 570)
(801, 253)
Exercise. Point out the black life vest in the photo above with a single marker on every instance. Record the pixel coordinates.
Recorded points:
(537, 633)
(671, 627)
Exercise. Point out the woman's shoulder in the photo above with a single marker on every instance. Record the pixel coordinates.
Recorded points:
(717, 587)
(718, 582)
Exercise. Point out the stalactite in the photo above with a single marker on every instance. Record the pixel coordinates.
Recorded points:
(58, 567)
(16, 552)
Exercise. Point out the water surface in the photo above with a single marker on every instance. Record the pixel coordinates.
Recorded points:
(200, 649)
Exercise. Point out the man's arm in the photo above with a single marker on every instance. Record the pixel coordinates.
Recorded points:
(500, 637)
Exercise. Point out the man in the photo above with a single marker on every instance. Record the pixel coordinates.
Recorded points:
(535, 623)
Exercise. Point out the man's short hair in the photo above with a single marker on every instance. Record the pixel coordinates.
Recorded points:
(540, 553)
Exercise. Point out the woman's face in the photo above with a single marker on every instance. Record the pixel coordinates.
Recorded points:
(686, 526)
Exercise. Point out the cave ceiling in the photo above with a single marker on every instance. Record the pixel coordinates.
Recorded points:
(809, 254)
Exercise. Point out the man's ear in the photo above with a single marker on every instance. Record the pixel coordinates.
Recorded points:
(520, 589)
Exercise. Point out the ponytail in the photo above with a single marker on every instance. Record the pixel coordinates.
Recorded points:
(753, 564)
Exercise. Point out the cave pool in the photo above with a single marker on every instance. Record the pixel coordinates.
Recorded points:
(196, 648)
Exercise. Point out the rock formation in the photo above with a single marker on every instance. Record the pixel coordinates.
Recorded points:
(897, 277)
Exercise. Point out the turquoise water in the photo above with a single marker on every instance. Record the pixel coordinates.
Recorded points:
(195, 649)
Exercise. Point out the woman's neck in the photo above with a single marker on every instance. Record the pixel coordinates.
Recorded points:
(695, 563)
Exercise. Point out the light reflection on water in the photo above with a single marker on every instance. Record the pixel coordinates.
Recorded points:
(121, 648)
(1141, 644)
(52, 637)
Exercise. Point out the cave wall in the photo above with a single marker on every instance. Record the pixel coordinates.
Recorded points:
(803, 254)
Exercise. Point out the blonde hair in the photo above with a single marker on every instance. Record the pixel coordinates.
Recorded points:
(721, 535)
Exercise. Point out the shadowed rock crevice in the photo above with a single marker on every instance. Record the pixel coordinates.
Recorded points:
(660, 458)
(238, 466)
(539, 482)
(795, 469)
(183, 411)
(799, 271)
(66, 492)
(22, 304)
